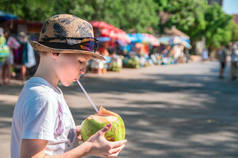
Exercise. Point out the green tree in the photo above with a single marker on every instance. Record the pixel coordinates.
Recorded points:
(187, 16)
(234, 29)
(218, 30)
(198, 19)
(28, 9)
(126, 14)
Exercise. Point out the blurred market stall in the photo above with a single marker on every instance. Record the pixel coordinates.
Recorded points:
(6, 16)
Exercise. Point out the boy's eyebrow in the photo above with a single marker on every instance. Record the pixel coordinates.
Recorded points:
(83, 59)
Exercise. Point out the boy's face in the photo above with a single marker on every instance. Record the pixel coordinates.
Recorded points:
(69, 67)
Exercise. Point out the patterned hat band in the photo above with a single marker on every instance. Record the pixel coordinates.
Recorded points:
(65, 38)
(86, 44)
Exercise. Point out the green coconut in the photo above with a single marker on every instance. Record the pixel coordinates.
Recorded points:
(95, 122)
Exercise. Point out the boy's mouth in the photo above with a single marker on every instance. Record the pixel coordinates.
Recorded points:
(82, 75)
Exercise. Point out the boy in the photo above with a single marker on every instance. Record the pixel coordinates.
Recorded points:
(42, 123)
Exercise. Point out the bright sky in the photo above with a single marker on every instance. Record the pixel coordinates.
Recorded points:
(230, 6)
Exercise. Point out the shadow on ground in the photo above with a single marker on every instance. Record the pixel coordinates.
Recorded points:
(172, 130)
(166, 128)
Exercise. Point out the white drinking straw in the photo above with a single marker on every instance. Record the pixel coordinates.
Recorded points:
(89, 99)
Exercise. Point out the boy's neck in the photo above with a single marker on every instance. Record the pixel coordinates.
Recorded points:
(44, 71)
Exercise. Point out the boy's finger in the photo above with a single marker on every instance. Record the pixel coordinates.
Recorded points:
(113, 155)
(118, 143)
(78, 128)
(105, 129)
(116, 150)
(80, 138)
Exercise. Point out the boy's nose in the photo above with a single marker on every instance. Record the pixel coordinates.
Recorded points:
(82, 72)
(83, 69)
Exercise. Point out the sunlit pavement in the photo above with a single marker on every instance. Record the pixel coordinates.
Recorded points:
(175, 111)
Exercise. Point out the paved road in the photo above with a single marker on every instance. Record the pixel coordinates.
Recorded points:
(176, 111)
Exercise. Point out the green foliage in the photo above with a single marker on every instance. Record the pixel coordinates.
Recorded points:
(126, 14)
(197, 19)
(218, 30)
(194, 17)
(28, 9)
(187, 16)
(234, 29)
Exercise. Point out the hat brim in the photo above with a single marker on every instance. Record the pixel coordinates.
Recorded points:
(40, 47)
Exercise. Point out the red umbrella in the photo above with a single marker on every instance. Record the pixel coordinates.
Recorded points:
(101, 24)
(115, 34)
(152, 39)
(111, 31)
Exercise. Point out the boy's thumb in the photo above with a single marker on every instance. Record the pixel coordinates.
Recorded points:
(106, 128)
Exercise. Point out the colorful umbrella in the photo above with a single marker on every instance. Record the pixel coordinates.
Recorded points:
(103, 39)
(164, 40)
(136, 37)
(101, 24)
(144, 38)
(151, 39)
(111, 31)
(182, 41)
(6, 16)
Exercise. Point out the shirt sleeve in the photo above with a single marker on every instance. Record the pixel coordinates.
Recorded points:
(39, 119)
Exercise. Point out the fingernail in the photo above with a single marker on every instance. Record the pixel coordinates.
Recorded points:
(109, 125)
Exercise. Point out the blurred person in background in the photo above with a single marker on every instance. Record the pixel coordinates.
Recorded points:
(166, 51)
(222, 54)
(187, 55)
(205, 55)
(8, 64)
(24, 56)
(234, 61)
(4, 54)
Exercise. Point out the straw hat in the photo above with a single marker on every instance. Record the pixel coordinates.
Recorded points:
(64, 33)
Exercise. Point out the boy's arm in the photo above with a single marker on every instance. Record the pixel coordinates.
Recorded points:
(35, 148)
(96, 145)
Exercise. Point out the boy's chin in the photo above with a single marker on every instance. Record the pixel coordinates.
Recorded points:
(66, 84)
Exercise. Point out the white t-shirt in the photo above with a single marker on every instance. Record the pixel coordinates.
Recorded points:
(42, 113)
(234, 55)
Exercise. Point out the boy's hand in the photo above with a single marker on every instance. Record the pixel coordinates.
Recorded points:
(102, 147)
(78, 129)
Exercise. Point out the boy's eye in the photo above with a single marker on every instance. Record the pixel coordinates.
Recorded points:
(80, 62)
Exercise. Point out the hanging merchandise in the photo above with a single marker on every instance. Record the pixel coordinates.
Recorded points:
(4, 49)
